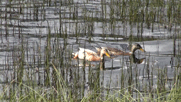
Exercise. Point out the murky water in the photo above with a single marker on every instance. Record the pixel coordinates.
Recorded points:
(25, 29)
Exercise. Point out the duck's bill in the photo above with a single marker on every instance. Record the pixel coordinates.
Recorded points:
(142, 50)
(107, 55)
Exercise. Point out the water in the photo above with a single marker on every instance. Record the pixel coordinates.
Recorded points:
(37, 34)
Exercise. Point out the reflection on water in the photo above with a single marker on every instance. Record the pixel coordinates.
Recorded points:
(137, 60)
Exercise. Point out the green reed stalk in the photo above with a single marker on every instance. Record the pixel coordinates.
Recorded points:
(147, 14)
(47, 58)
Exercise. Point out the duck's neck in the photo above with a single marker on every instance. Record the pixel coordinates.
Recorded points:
(102, 56)
(133, 49)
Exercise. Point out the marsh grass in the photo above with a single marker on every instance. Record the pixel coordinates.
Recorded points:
(63, 93)
(44, 70)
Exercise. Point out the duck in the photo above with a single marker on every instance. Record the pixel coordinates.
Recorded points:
(90, 55)
(117, 52)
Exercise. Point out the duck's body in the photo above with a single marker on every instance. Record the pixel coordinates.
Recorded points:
(114, 51)
(90, 55)
(117, 52)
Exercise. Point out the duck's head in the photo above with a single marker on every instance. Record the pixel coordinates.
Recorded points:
(104, 52)
(135, 47)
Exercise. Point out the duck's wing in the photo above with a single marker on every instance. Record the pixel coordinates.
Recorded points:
(125, 47)
(91, 53)
(114, 49)
(116, 52)
(111, 51)
(88, 51)
(98, 50)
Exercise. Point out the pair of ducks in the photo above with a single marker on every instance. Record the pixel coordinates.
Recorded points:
(93, 56)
